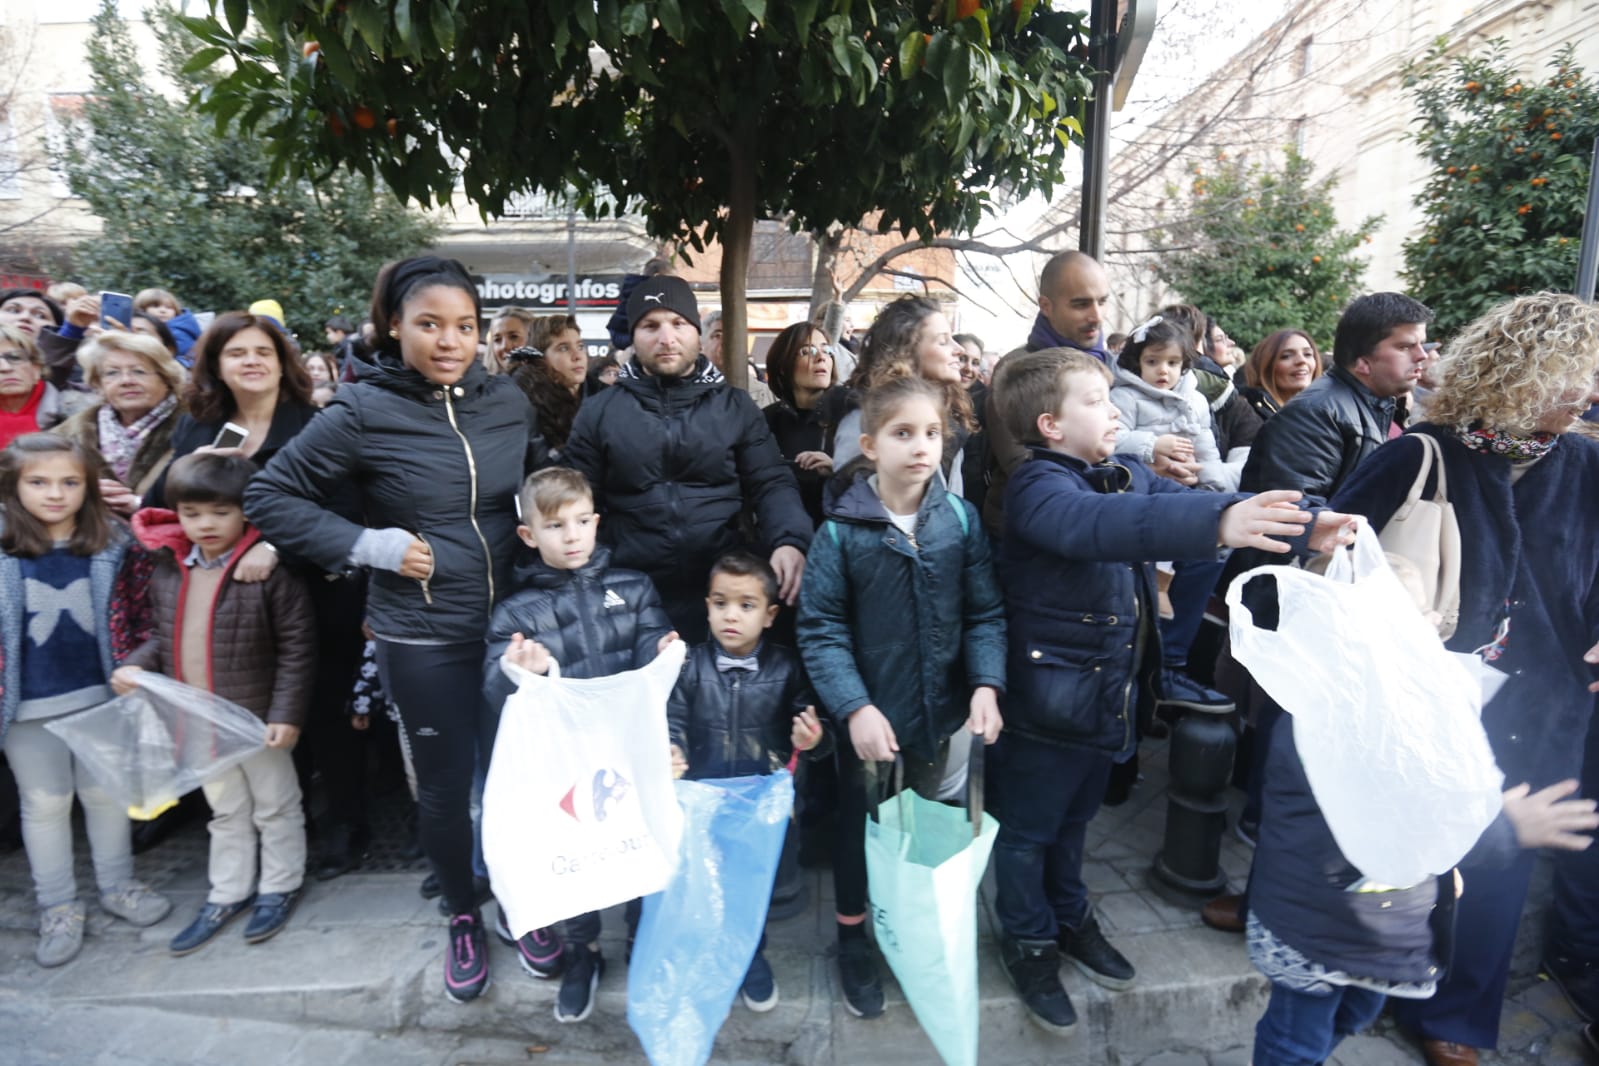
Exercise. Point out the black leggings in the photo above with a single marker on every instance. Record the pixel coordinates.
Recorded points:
(437, 689)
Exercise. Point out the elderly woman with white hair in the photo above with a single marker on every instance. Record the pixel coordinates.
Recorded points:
(136, 382)
(1512, 387)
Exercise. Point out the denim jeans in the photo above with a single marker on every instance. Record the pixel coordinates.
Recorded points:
(47, 777)
(1192, 583)
(1044, 797)
(1303, 1028)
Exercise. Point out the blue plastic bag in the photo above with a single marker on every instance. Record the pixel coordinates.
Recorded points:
(924, 861)
(696, 938)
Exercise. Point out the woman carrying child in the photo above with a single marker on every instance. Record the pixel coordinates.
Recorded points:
(901, 628)
(437, 449)
(1525, 490)
(63, 615)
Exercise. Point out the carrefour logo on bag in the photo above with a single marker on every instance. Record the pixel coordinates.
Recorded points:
(609, 789)
(589, 802)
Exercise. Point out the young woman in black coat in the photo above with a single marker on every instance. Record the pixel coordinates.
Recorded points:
(436, 449)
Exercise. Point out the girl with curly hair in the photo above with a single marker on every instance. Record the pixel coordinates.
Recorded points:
(1513, 386)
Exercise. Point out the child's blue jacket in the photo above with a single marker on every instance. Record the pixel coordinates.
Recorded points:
(1077, 565)
(908, 624)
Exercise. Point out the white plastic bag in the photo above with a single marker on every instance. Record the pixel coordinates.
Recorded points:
(159, 742)
(1386, 721)
(579, 812)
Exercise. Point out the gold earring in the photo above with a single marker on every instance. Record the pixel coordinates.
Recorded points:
(394, 333)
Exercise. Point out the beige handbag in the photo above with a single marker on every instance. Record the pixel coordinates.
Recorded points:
(1425, 533)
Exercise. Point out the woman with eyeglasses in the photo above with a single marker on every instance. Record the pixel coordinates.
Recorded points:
(136, 382)
(800, 372)
(28, 403)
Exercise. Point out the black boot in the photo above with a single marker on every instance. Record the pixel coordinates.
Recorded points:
(1091, 953)
(1034, 968)
(344, 848)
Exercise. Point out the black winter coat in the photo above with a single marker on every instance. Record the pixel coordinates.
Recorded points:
(797, 431)
(739, 723)
(596, 621)
(1076, 564)
(673, 462)
(1298, 887)
(1315, 443)
(444, 464)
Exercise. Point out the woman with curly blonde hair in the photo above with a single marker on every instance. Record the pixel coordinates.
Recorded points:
(1525, 491)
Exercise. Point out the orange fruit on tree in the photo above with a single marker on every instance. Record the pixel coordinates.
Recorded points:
(336, 125)
(363, 117)
(965, 9)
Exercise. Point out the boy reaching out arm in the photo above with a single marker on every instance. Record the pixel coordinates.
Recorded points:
(1082, 531)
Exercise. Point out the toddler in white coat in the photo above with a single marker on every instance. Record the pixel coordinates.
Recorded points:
(1163, 412)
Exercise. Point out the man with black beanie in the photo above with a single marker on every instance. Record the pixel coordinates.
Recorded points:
(675, 457)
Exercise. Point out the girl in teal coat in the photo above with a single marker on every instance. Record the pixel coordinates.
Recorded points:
(902, 629)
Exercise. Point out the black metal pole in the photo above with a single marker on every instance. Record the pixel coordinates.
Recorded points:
(1588, 254)
(1096, 140)
(571, 261)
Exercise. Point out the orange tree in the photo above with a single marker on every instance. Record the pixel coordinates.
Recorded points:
(1259, 248)
(1504, 203)
(700, 116)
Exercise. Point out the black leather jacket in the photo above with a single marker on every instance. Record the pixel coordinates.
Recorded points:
(1314, 443)
(739, 723)
(594, 620)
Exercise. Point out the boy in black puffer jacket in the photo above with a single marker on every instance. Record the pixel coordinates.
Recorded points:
(575, 617)
(742, 705)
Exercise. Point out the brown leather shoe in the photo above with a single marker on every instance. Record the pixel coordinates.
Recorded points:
(1447, 1053)
(1224, 913)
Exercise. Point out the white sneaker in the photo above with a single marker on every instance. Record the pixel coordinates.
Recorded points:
(60, 934)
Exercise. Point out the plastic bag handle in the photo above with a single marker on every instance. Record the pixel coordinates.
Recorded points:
(1361, 559)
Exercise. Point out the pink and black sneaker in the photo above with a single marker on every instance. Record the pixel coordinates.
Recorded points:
(539, 951)
(466, 964)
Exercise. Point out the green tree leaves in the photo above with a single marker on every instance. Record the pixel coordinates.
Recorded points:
(1260, 249)
(189, 209)
(1503, 205)
(842, 109)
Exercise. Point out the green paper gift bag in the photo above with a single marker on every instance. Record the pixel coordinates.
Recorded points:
(924, 861)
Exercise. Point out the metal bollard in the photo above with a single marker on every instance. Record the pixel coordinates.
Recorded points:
(1188, 867)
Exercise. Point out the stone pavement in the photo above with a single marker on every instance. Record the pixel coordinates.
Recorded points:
(356, 979)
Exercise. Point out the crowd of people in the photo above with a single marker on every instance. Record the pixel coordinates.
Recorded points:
(942, 550)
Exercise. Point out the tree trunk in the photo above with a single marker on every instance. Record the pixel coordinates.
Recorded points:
(737, 237)
(823, 287)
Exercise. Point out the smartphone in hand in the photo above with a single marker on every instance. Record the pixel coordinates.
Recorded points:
(116, 310)
(232, 435)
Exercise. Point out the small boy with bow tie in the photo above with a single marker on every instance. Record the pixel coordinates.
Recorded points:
(742, 706)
